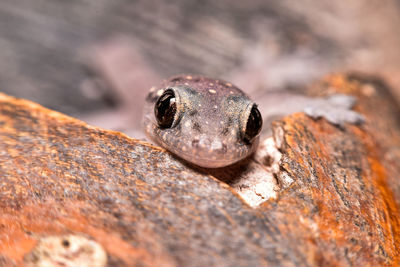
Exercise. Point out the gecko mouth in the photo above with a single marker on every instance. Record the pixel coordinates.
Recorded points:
(213, 154)
(208, 162)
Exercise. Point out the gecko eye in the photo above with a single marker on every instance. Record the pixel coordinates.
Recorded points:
(253, 125)
(165, 109)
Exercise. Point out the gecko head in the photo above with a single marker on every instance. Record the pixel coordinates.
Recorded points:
(208, 122)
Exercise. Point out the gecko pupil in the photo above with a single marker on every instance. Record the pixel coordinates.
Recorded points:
(254, 124)
(165, 109)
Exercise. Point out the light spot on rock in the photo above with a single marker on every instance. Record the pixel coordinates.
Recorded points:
(66, 250)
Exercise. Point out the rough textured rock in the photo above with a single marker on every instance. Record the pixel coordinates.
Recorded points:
(337, 200)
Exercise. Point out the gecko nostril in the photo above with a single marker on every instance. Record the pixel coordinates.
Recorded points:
(196, 126)
(224, 148)
(195, 143)
(225, 131)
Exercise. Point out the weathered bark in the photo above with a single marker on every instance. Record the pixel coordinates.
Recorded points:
(60, 177)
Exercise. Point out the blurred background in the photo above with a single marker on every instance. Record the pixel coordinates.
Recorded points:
(95, 59)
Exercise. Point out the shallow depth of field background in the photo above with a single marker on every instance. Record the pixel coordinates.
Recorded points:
(49, 48)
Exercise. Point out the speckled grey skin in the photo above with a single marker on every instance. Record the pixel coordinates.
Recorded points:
(211, 119)
(212, 116)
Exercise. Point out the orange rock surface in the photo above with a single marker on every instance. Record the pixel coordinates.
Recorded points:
(60, 176)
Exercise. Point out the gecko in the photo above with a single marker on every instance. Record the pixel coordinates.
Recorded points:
(212, 123)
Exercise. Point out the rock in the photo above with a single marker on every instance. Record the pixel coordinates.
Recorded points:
(336, 202)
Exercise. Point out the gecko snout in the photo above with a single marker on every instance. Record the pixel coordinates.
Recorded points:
(210, 145)
(211, 153)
